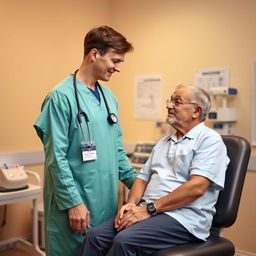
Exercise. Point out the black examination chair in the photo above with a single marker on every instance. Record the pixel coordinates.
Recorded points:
(227, 205)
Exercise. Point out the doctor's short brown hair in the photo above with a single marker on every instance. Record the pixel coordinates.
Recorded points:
(103, 38)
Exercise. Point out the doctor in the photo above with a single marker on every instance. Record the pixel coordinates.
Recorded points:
(84, 156)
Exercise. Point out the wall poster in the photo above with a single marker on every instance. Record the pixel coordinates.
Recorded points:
(148, 94)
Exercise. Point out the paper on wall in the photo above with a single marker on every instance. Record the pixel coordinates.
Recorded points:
(148, 92)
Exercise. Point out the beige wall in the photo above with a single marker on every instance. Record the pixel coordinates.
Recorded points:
(176, 38)
(41, 42)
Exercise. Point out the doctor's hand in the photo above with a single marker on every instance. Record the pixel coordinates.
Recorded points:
(130, 216)
(79, 218)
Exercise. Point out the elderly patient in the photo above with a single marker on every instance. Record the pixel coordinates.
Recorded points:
(172, 201)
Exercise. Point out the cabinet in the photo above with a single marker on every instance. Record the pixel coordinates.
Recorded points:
(139, 157)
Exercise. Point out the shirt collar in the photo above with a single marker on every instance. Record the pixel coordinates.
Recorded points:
(191, 134)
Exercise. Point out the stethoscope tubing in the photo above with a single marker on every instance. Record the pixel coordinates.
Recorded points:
(112, 118)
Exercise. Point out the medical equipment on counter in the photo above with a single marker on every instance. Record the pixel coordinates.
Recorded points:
(222, 117)
(139, 157)
(141, 154)
(31, 193)
(12, 178)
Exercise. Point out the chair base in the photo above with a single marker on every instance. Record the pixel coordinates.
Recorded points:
(214, 246)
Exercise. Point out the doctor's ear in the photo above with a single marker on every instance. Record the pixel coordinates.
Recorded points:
(94, 54)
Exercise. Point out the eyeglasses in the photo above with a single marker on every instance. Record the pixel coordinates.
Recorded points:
(177, 102)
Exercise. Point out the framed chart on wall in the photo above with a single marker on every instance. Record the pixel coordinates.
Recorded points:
(254, 104)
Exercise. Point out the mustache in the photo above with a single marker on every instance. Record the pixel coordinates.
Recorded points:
(171, 111)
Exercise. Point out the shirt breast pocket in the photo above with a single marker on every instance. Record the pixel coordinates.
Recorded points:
(181, 161)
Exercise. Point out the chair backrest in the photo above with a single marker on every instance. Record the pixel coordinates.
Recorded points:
(238, 150)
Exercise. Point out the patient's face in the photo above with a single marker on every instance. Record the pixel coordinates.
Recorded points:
(180, 108)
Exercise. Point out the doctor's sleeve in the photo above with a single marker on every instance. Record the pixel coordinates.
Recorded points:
(52, 127)
(127, 174)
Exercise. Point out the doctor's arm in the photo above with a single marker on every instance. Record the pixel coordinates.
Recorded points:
(127, 174)
(52, 128)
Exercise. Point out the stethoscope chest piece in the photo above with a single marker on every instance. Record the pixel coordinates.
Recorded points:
(112, 118)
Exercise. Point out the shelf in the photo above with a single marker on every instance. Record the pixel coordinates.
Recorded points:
(32, 192)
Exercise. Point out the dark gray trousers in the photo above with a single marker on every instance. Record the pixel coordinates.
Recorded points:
(143, 238)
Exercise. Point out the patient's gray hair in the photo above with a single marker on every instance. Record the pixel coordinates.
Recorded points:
(200, 97)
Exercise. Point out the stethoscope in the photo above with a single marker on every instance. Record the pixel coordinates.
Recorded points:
(111, 118)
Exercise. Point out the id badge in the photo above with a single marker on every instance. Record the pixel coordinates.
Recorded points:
(88, 152)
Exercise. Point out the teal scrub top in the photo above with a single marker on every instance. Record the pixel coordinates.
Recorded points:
(68, 180)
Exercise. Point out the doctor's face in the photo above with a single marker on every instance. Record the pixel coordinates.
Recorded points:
(107, 64)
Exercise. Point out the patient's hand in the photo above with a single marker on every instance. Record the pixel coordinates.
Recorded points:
(130, 214)
(121, 213)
